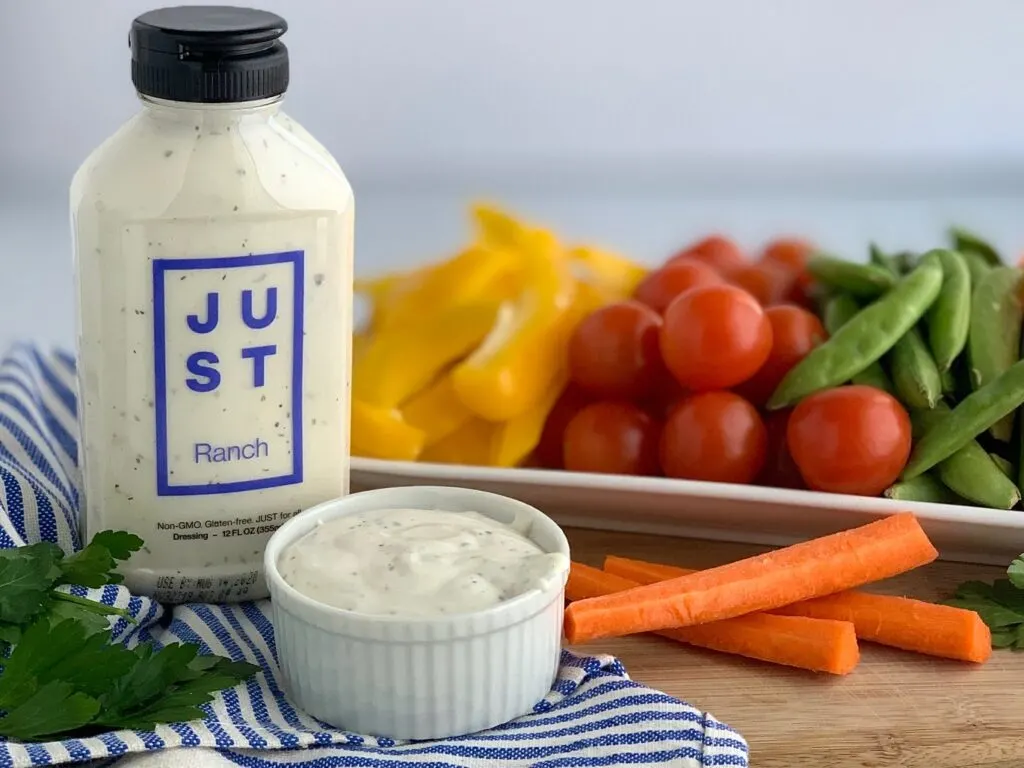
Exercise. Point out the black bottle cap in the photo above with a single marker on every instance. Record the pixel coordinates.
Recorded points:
(209, 54)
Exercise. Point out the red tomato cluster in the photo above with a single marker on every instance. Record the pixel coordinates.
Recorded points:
(673, 382)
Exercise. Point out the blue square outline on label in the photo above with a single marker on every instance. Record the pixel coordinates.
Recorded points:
(160, 268)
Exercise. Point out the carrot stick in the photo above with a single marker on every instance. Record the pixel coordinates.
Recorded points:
(819, 645)
(899, 622)
(810, 569)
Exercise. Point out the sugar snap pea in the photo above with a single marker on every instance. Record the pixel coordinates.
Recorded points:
(914, 373)
(839, 310)
(866, 281)
(949, 383)
(863, 339)
(993, 344)
(881, 259)
(957, 380)
(966, 241)
(905, 261)
(949, 319)
(1005, 466)
(1020, 445)
(976, 265)
(972, 416)
(969, 472)
(922, 488)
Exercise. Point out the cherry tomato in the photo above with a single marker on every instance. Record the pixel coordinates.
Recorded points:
(715, 337)
(662, 285)
(780, 471)
(790, 252)
(715, 251)
(802, 292)
(614, 352)
(714, 436)
(548, 453)
(851, 439)
(768, 282)
(795, 332)
(665, 397)
(613, 438)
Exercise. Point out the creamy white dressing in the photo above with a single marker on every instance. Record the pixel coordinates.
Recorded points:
(416, 563)
(213, 249)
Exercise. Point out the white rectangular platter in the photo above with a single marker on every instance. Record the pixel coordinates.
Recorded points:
(717, 511)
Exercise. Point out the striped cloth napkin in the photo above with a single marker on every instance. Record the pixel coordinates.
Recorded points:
(593, 716)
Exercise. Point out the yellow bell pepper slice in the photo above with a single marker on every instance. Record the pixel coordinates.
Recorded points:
(476, 275)
(616, 273)
(436, 410)
(360, 343)
(470, 444)
(518, 362)
(377, 288)
(380, 433)
(378, 292)
(399, 362)
(496, 228)
(516, 438)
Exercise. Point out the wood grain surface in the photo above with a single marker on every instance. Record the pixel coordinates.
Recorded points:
(895, 709)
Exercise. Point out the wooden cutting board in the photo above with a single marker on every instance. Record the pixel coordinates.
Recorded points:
(895, 709)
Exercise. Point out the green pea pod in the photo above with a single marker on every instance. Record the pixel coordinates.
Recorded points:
(993, 344)
(1020, 443)
(883, 260)
(972, 416)
(839, 310)
(969, 472)
(957, 380)
(949, 383)
(864, 339)
(906, 261)
(1005, 466)
(966, 241)
(949, 319)
(976, 265)
(917, 379)
(922, 488)
(866, 281)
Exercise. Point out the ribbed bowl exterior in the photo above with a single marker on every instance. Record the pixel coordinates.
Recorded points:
(418, 679)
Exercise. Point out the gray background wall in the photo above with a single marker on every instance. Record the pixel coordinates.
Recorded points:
(637, 123)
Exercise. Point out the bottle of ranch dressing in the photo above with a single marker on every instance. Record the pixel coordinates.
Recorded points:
(213, 248)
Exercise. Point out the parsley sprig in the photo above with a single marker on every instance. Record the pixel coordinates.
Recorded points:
(63, 676)
(1000, 605)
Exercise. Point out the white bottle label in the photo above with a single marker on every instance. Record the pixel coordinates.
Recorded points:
(227, 338)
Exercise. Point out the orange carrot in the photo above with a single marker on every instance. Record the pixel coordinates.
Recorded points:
(810, 569)
(819, 645)
(900, 622)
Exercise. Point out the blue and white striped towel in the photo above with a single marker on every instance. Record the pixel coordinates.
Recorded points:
(594, 716)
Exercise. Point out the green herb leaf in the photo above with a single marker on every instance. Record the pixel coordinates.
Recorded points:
(1016, 572)
(10, 633)
(993, 614)
(42, 646)
(183, 700)
(27, 574)
(120, 544)
(1004, 638)
(93, 566)
(63, 673)
(53, 709)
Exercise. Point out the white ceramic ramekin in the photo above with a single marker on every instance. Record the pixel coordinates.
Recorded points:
(418, 678)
